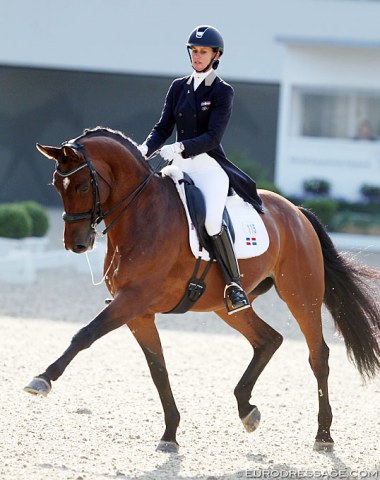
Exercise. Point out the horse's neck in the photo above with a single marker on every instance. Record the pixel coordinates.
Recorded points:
(150, 238)
(157, 211)
(128, 174)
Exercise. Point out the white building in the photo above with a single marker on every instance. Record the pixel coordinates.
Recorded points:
(329, 115)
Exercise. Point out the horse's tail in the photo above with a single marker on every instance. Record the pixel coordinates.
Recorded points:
(351, 302)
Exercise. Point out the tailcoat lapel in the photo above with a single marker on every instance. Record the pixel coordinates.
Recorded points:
(203, 89)
(190, 94)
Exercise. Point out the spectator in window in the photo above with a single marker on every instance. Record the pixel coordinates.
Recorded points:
(365, 131)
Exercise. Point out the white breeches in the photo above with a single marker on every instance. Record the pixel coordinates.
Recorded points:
(212, 181)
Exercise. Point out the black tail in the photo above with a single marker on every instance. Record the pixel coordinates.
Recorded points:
(351, 302)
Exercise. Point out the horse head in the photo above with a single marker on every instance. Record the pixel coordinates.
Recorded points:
(83, 187)
(98, 175)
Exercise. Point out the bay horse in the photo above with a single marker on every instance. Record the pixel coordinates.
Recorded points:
(101, 175)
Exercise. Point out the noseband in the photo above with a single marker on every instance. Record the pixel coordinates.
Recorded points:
(96, 214)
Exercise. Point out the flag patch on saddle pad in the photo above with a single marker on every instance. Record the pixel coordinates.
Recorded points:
(250, 241)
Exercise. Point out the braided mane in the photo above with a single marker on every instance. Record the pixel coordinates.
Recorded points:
(130, 144)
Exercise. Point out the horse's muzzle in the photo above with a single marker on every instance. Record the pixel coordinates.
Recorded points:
(79, 243)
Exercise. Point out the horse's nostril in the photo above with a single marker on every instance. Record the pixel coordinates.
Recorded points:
(79, 248)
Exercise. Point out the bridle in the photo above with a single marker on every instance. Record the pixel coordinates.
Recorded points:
(96, 214)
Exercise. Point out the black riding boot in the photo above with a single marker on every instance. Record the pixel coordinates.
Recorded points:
(225, 255)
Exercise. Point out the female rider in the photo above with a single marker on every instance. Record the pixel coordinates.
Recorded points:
(200, 107)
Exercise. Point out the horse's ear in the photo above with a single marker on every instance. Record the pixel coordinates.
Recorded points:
(70, 152)
(49, 152)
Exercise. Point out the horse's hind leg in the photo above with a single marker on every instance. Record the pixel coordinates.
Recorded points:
(311, 326)
(146, 334)
(265, 341)
(305, 302)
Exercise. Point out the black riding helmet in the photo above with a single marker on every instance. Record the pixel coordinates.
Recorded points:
(206, 36)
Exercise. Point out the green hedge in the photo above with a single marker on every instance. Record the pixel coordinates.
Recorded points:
(324, 208)
(316, 186)
(40, 220)
(23, 219)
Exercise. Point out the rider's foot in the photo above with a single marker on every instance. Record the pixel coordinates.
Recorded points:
(238, 298)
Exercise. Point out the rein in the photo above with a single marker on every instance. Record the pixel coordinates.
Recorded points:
(96, 214)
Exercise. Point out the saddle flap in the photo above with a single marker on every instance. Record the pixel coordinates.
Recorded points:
(197, 211)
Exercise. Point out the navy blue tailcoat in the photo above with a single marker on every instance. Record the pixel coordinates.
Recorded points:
(201, 118)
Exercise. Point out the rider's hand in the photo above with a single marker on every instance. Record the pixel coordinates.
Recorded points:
(169, 152)
(143, 149)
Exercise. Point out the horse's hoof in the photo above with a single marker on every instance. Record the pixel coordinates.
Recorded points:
(320, 446)
(167, 447)
(252, 420)
(38, 386)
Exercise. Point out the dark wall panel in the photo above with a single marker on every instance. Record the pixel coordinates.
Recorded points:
(50, 106)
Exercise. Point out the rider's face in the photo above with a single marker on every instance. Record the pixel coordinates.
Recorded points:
(201, 57)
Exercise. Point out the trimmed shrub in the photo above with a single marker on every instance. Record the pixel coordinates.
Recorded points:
(371, 192)
(38, 215)
(324, 208)
(253, 168)
(14, 221)
(316, 186)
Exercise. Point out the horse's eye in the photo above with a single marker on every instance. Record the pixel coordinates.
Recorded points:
(84, 188)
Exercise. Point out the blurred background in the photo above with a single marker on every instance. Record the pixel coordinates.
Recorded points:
(306, 75)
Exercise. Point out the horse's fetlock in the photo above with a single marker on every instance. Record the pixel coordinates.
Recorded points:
(242, 394)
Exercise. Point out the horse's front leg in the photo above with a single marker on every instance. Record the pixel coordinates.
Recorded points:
(146, 334)
(265, 341)
(109, 319)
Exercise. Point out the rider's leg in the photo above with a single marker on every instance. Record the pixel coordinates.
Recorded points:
(213, 182)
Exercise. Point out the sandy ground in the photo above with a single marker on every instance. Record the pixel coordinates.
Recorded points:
(103, 418)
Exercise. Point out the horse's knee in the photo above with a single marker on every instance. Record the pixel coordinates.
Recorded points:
(277, 340)
(84, 338)
(268, 343)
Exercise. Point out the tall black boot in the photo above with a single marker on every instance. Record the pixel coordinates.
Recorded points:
(225, 255)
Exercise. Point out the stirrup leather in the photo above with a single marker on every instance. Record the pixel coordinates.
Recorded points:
(235, 298)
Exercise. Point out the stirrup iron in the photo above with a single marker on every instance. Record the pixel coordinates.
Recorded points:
(240, 302)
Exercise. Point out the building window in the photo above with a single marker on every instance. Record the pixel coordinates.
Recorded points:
(336, 115)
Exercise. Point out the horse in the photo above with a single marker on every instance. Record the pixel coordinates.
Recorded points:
(101, 175)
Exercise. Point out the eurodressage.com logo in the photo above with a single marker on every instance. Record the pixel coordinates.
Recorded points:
(339, 473)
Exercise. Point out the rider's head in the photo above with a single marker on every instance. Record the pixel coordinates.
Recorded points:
(205, 42)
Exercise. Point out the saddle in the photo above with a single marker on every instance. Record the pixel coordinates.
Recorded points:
(252, 236)
(197, 211)
(245, 224)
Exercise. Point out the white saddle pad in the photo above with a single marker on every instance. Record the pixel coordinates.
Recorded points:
(251, 236)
